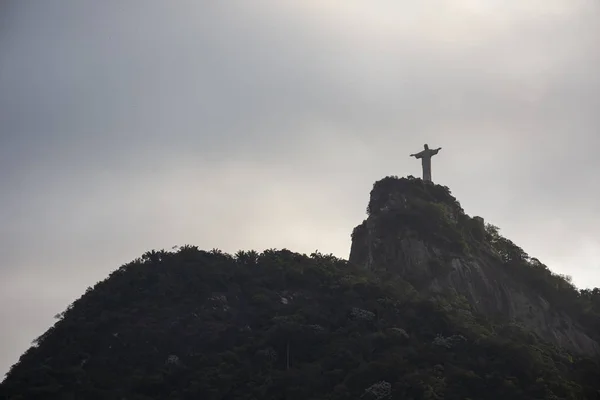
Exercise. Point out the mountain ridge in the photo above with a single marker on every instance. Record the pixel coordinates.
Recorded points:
(398, 320)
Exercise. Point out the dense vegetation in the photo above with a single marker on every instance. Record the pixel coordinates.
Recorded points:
(191, 324)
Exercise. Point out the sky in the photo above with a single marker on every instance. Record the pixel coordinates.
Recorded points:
(127, 126)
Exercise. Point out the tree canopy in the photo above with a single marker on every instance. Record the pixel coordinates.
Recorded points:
(190, 324)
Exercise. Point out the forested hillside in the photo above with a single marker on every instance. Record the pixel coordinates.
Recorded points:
(195, 324)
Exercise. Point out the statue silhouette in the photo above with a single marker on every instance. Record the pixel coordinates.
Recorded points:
(425, 157)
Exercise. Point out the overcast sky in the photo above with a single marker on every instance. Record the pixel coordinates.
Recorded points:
(133, 125)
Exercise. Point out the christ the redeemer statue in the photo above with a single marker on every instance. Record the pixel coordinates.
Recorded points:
(425, 157)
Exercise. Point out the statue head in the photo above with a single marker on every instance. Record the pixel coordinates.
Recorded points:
(426, 147)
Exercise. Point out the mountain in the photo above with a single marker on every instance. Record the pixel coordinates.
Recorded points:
(432, 304)
(419, 231)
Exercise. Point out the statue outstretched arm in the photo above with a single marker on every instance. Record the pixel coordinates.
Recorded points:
(435, 151)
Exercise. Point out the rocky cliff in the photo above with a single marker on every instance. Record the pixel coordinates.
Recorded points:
(419, 230)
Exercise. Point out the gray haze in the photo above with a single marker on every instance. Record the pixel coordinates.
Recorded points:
(132, 125)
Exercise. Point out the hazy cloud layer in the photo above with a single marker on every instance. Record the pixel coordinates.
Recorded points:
(128, 126)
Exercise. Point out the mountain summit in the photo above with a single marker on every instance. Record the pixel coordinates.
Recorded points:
(419, 231)
(433, 304)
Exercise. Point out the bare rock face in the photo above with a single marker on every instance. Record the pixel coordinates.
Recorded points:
(418, 230)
